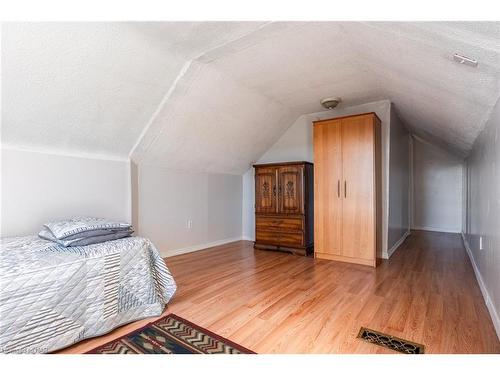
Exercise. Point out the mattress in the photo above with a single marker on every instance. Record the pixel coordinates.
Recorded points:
(53, 296)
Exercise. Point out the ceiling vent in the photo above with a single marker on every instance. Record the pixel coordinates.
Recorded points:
(464, 60)
(330, 103)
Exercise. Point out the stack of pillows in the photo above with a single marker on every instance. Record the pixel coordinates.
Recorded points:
(81, 231)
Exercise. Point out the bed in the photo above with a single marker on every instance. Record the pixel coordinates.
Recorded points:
(53, 296)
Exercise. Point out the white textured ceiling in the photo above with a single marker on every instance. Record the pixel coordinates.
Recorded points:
(92, 87)
(215, 96)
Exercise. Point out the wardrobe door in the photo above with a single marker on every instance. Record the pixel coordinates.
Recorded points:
(327, 187)
(290, 191)
(266, 190)
(358, 187)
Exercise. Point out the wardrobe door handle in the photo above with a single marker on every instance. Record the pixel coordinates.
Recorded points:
(345, 189)
(338, 188)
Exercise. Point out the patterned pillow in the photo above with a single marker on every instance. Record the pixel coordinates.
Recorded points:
(89, 240)
(79, 227)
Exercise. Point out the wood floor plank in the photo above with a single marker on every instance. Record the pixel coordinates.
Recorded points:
(273, 302)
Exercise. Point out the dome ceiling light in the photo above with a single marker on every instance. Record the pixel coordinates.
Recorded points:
(330, 103)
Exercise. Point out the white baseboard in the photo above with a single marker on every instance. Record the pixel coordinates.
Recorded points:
(387, 254)
(487, 299)
(246, 238)
(431, 229)
(190, 249)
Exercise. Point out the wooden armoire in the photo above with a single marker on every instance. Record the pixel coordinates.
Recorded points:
(347, 189)
(284, 207)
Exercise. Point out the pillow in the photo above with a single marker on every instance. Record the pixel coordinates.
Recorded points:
(88, 240)
(79, 227)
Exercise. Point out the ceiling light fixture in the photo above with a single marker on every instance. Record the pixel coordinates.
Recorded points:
(330, 103)
(464, 60)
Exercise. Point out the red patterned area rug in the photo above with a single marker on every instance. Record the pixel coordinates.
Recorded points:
(170, 335)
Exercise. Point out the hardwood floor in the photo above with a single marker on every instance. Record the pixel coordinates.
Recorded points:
(273, 302)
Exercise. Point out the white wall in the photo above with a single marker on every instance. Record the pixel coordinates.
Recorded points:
(39, 187)
(399, 184)
(483, 215)
(297, 144)
(437, 189)
(167, 199)
(248, 201)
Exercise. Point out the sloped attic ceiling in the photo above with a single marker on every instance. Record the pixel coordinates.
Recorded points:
(92, 87)
(214, 96)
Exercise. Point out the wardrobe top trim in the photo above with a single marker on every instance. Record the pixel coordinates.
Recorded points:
(283, 163)
(342, 117)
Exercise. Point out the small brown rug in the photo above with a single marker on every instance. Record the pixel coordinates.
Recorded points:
(170, 335)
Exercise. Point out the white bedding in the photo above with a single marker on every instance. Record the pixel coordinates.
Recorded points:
(53, 296)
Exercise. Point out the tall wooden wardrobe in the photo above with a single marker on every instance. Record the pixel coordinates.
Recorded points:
(347, 189)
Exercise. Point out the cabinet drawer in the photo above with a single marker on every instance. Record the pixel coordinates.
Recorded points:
(282, 224)
(279, 238)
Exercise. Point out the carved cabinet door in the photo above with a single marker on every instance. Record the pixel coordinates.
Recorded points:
(290, 189)
(266, 190)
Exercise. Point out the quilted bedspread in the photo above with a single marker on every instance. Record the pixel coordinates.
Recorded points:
(53, 296)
